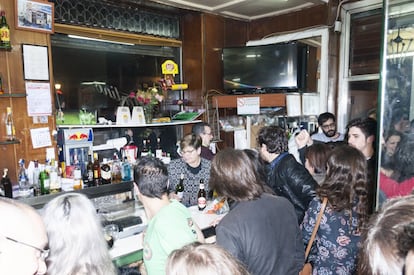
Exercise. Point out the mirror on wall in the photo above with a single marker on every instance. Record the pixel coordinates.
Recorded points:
(396, 152)
(96, 75)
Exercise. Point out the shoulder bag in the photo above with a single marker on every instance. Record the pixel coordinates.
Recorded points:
(307, 268)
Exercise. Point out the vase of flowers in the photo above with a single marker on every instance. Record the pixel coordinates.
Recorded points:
(148, 99)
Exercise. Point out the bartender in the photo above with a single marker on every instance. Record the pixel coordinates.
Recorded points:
(192, 166)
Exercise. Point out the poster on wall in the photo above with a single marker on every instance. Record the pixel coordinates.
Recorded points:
(35, 15)
(35, 62)
(39, 100)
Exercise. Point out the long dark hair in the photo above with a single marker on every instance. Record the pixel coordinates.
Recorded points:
(233, 175)
(346, 183)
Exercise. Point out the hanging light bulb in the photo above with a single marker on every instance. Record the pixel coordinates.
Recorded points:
(399, 47)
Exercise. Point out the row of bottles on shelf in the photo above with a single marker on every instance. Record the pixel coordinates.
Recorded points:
(49, 178)
(4, 31)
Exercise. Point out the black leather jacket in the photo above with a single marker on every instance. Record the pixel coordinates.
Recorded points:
(291, 180)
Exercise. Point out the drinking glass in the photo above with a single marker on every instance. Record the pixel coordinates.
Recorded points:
(111, 233)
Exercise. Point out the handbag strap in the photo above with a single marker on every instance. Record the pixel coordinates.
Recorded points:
(315, 229)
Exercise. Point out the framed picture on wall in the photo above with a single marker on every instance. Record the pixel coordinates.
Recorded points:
(35, 15)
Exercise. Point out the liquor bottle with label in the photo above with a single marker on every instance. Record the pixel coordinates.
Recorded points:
(116, 169)
(96, 170)
(202, 197)
(4, 31)
(6, 184)
(106, 174)
(88, 175)
(126, 170)
(77, 177)
(55, 184)
(179, 188)
(158, 151)
(9, 125)
(145, 150)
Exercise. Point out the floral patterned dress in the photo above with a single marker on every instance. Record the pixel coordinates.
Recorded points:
(336, 244)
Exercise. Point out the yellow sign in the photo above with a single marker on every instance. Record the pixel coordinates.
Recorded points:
(169, 67)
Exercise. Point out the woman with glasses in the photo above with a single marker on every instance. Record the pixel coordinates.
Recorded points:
(192, 166)
(76, 240)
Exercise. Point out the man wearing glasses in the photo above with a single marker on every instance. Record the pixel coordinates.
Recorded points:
(203, 129)
(327, 122)
(23, 239)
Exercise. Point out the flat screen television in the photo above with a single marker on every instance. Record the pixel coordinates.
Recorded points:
(265, 69)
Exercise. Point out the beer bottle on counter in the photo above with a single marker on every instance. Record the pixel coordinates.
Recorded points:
(202, 196)
(6, 184)
(96, 170)
(106, 174)
(179, 188)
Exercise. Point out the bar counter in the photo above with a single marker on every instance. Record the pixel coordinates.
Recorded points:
(129, 249)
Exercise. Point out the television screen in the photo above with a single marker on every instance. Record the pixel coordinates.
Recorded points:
(267, 68)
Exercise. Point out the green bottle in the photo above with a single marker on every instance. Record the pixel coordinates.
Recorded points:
(4, 31)
(44, 182)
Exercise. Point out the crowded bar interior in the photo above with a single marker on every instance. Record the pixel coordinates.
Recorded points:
(90, 89)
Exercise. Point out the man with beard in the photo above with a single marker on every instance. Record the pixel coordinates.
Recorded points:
(329, 135)
(327, 122)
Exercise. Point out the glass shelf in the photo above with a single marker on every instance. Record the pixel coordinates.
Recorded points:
(6, 142)
(3, 48)
(6, 95)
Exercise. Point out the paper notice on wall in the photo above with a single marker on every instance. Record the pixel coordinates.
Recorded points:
(39, 101)
(248, 105)
(40, 137)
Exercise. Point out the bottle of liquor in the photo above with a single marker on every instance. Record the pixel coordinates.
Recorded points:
(55, 185)
(202, 196)
(4, 31)
(6, 184)
(145, 150)
(44, 181)
(126, 170)
(9, 125)
(96, 170)
(24, 185)
(106, 174)
(158, 151)
(1, 86)
(36, 182)
(179, 188)
(77, 177)
(88, 177)
(116, 169)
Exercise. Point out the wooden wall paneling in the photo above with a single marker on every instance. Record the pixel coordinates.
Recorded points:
(15, 83)
(214, 41)
(191, 29)
(236, 33)
(306, 18)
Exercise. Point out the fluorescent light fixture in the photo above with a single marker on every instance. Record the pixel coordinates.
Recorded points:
(99, 40)
(253, 55)
(93, 83)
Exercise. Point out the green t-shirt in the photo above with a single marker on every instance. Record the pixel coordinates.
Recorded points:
(171, 228)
